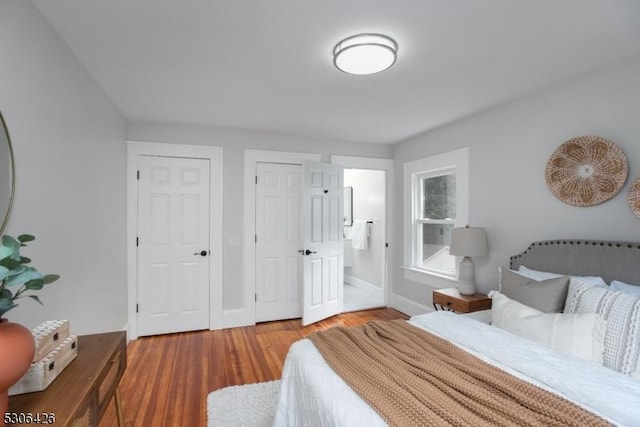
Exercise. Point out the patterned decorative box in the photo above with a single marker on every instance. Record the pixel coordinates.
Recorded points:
(49, 335)
(43, 372)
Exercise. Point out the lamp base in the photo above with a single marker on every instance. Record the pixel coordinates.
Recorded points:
(468, 288)
(466, 277)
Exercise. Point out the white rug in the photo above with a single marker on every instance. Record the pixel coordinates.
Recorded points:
(243, 405)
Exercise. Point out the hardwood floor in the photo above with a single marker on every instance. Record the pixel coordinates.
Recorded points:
(168, 377)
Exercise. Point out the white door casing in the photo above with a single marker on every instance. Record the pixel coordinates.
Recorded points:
(137, 149)
(173, 245)
(322, 241)
(278, 239)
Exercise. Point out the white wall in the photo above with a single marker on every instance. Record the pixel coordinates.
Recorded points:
(509, 148)
(368, 204)
(69, 144)
(234, 142)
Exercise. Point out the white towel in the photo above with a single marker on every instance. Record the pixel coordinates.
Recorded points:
(360, 235)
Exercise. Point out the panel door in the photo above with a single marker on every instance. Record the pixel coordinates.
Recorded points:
(278, 229)
(322, 241)
(173, 245)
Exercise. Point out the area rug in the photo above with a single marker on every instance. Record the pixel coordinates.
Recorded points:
(243, 405)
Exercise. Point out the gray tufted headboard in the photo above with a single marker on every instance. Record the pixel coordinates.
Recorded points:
(609, 260)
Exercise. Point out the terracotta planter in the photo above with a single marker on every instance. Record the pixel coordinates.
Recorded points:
(17, 347)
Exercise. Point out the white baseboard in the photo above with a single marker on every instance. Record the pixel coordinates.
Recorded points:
(364, 286)
(234, 318)
(128, 332)
(406, 306)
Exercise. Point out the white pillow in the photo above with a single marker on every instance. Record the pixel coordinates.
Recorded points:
(581, 335)
(544, 275)
(622, 313)
(617, 285)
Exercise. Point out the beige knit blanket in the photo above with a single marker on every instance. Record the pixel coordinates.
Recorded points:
(411, 377)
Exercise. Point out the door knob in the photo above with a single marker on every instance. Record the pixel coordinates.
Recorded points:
(202, 253)
(306, 252)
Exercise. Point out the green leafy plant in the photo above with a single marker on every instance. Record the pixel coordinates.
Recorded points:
(16, 274)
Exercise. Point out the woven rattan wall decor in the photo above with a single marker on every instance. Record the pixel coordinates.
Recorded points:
(586, 170)
(634, 197)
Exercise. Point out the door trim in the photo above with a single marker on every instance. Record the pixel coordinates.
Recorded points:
(214, 155)
(251, 158)
(354, 162)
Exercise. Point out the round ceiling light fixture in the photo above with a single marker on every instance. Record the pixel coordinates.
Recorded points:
(365, 54)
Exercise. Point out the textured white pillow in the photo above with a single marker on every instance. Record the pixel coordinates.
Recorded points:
(622, 313)
(617, 285)
(581, 335)
(576, 280)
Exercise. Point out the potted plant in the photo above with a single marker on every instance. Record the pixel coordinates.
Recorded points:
(17, 280)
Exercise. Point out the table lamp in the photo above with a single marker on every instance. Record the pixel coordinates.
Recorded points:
(468, 242)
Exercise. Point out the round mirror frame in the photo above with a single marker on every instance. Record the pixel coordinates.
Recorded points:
(13, 174)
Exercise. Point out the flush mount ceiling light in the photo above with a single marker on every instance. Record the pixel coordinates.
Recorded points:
(365, 54)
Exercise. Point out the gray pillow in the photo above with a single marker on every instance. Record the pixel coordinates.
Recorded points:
(545, 295)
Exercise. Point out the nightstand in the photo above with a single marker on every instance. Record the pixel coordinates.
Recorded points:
(450, 299)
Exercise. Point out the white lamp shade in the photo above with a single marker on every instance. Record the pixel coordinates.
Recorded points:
(365, 54)
(468, 241)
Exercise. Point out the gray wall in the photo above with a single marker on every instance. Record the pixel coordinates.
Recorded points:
(69, 143)
(234, 142)
(509, 147)
(70, 147)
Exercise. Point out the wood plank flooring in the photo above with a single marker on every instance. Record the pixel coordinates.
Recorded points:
(168, 377)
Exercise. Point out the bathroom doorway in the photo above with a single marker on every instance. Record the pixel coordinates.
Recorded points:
(364, 239)
(367, 187)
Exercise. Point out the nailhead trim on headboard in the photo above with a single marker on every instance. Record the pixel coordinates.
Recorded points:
(628, 266)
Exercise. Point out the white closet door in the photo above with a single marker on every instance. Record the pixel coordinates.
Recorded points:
(278, 213)
(173, 245)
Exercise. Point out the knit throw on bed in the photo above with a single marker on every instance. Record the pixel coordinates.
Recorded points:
(411, 377)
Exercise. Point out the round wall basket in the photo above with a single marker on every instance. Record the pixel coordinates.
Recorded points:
(634, 197)
(586, 170)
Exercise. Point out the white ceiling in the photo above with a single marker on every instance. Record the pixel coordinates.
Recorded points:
(267, 64)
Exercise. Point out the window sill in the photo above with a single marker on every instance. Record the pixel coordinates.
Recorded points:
(425, 277)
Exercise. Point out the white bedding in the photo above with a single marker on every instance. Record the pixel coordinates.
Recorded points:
(312, 394)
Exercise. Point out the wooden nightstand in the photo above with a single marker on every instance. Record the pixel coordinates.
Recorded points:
(450, 299)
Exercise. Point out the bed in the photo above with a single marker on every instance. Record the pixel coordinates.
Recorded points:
(598, 372)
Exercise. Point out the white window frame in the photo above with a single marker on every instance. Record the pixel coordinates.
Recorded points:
(457, 162)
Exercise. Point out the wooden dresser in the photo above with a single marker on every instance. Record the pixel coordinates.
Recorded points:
(80, 394)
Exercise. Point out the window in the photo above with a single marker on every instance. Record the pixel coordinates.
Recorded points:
(436, 200)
